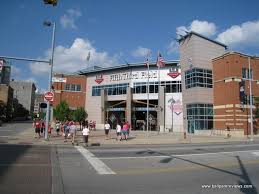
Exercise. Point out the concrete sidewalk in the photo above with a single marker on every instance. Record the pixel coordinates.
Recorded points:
(136, 138)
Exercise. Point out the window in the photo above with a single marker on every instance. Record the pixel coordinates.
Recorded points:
(114, 89)
(67, 87)
(73, 87)
(250, 74)
(199, 116)
(197, 77)
(78, 87)
(244, 73)
(170, 87)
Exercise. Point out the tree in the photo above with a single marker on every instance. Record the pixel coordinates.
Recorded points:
(2, 109)
(62, 112)
(80, 115)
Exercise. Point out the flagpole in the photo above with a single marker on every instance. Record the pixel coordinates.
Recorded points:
(158, 128)
(147, 96)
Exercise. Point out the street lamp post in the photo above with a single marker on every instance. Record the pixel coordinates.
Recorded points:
(47, 23)
(250, 98)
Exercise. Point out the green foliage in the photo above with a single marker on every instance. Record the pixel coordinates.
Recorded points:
(2, 109)
(79, 115)
(257, 113)
(62, 112)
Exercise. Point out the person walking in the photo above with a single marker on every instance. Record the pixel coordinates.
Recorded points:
(66, 130)
(57, 127)
(107, 128)
(118, 131)
(73, 132)
(85, 133)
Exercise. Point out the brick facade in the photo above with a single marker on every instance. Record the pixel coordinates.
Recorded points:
(228, 109)
(72, 97)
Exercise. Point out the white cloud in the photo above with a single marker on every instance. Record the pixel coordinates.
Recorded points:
(244, 34)
(68, 19)
(202, 27)
(173, 47)
(15, 71)
(141, 52)
(73, 58)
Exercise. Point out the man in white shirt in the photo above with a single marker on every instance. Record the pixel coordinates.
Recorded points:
(107, 128)
(86, 134)
(118, 130)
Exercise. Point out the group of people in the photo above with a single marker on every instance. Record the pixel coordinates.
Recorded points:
(122, 130)
(69, 129)
(39, 126)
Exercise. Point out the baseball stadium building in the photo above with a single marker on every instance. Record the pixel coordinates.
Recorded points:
(119, 93)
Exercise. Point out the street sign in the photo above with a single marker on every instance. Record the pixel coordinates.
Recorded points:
(49, 96)
(59, 79)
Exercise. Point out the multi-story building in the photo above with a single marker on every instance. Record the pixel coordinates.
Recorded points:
(24, 92)
(6, 101)
(232, 92)
(69, 88)
(196, 52)
(119, 93)
(5, 72)
(39, 98)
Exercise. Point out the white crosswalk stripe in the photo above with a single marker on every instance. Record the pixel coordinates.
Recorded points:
(98, 165)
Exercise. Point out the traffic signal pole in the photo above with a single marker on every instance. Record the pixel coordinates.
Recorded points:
(50, 80)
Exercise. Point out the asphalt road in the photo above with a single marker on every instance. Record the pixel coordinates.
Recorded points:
(230, 168)
(8, 130)
(204, 168)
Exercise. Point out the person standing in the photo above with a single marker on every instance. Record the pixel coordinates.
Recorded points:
(37, 126)
(125, 131)
(107, 128)
(42, 130)
(85, 133)
(118, 131)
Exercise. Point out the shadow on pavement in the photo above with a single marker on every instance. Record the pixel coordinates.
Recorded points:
(9, 155)
(245, 179)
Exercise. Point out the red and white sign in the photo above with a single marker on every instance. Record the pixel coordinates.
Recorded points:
(49, 96)
(99, 79)
(174, 72)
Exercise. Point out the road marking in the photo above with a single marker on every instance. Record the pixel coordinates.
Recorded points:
(6, 130)
(256, 153)
(98, 165)
(176, 155)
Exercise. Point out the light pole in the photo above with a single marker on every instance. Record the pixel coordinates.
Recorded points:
(250, 76)
(47, 23)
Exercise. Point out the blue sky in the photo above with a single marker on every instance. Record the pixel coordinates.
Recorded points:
(116, 31)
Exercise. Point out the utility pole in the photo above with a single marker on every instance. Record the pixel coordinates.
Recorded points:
(250, 98)
(50, 73)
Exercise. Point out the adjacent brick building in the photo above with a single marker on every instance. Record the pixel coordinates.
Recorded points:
(69, 88)
(229, 71)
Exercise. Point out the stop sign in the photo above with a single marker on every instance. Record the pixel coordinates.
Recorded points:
(49, 96)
